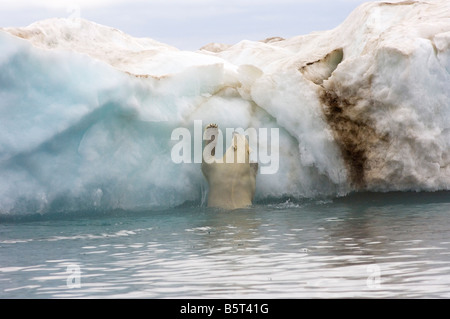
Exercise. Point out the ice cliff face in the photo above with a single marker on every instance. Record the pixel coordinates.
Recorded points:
(86, 111)
(381, 82)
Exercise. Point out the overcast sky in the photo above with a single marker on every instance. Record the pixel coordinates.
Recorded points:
(190, 24)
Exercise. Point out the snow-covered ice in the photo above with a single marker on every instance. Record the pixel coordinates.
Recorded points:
(86, 111)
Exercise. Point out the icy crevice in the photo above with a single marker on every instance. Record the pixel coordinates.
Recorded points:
(321, 70)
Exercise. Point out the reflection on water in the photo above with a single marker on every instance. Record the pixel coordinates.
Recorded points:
(353, 247)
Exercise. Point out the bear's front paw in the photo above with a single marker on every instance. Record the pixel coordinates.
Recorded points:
(212, 125)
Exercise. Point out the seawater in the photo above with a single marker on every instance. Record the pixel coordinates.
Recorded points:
(393, 245)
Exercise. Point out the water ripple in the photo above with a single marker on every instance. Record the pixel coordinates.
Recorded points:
(288, 252)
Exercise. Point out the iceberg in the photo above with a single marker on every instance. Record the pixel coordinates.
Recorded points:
(87, 111)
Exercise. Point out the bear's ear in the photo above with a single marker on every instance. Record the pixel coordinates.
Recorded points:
(238, 139)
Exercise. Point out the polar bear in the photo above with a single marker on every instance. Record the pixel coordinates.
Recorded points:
(232, 179)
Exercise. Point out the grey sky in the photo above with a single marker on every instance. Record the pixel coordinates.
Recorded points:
(190, 24)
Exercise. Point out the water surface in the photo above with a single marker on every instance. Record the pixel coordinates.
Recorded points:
(368, 245)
